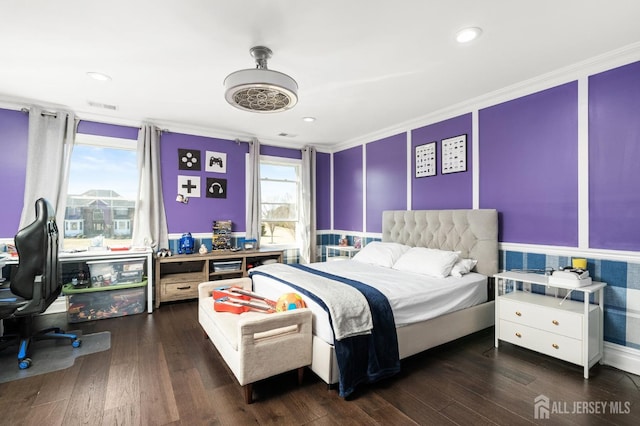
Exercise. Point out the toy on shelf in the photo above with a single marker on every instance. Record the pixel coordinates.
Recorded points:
(221, 235)
(187, 244)
(163, 253)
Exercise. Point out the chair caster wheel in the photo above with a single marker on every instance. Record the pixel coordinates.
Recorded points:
(76, 343)
(23, 364)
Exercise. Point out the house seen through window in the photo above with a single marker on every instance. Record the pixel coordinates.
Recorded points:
(102, 192)
(280, 200)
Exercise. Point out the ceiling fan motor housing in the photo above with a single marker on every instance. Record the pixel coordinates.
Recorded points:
(261, 89)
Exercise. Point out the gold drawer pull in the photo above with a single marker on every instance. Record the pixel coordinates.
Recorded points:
(518, 335)
(518, 313)
(184, 288)
(555, 322)
(555, 346)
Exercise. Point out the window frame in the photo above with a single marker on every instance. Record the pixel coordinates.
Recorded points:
(284, 161)
(106, 142)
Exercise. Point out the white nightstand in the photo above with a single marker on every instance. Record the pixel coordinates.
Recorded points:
(340, 252)
(557, 326)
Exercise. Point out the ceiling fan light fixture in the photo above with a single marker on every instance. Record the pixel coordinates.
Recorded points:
(261, 90)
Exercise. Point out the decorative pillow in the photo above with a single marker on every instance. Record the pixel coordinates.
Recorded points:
(426, 261)
(381, 254)
(463, 266)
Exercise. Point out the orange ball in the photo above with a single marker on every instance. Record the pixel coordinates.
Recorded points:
(289, 301)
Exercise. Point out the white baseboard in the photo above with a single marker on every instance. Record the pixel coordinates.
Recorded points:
(622, 357)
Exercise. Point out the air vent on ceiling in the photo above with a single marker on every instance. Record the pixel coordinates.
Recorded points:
(103, 106)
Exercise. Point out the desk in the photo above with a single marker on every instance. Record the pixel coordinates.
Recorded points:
(147, 254)
(89, 255)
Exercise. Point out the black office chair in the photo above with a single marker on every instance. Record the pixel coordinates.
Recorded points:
(35, 284)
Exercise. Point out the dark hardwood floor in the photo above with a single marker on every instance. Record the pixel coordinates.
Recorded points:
(160, 370)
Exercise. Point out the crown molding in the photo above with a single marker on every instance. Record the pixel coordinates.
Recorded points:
(613, 59)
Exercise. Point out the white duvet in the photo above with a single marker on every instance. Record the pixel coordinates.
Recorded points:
(413, 297)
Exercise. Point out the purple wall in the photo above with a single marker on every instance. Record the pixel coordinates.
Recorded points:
(14, 136)
(614, 155)
(450, 191)
(529, 166)
(347, 189)
(323, 191)
(386, 178)
(110, 130)
(199, 214)
(276, 151)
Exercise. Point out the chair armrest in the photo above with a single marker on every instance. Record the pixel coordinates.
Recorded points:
(205, 288)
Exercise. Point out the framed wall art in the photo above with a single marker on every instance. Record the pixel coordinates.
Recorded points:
(426, 160)
(216, 162)
(454, 154)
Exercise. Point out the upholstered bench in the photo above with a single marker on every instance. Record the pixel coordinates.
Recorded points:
(256, 345)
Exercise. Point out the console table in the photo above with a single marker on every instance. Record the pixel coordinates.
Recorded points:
(178, 276)
(556, 326)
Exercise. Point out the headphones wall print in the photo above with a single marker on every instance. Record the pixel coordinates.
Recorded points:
(216, 188)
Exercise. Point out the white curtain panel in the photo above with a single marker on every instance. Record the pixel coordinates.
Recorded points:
(50, 144)
(307, 230)
(150, 220)
(253, 192)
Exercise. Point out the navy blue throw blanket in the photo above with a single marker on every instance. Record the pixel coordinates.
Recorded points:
(366, 358)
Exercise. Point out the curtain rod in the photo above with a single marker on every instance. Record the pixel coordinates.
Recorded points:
(43, 113)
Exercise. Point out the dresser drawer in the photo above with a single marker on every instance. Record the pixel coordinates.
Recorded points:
(542, 317)
(551, 344)
(179, 291)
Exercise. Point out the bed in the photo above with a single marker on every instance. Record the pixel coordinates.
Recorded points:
(472, 233)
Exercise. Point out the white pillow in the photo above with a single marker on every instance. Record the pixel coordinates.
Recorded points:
(463, 266)
(426, 261)
(381, 254)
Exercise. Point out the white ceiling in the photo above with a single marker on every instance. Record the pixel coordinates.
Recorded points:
(361, 65)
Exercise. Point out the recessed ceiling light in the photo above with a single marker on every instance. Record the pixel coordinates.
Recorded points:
(309, 119)
(468, 34)
(98, 76)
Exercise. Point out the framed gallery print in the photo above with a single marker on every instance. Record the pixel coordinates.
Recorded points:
(216, 162)
(426, 160)
(454, 154)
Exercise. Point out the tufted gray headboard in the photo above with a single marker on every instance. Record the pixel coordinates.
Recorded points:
(472, 232)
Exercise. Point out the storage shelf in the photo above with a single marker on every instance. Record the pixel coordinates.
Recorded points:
(188, 270)
(70, 289)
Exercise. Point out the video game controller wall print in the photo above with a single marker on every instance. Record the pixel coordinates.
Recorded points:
(189, 159)
(216, 162)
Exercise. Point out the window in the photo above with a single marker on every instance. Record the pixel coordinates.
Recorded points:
(103, 187)
(280, 200)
